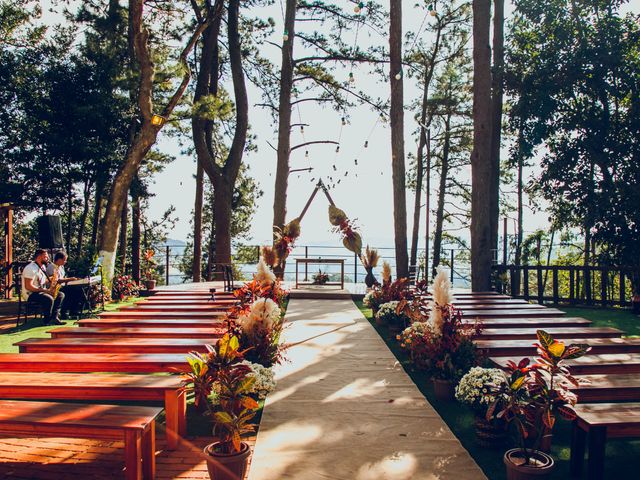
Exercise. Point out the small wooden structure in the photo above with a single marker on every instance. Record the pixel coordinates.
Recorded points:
(321, 261)
(6, 218)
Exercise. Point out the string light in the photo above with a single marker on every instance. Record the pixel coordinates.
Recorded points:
(306, 154)
(398, 75)
(338, 149)
(432, 10)
(352, 79)
(158, 120)
(356, 161)
(302, 129)
(344, 121)
(366, 145)
(285, 35)
(358, 8)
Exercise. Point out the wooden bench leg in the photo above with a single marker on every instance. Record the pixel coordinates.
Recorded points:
(175, 407)
(597, 443)
(149, 452)
(578, 442)
(133, 454)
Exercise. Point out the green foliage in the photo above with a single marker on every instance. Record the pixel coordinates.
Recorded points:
(573, 69)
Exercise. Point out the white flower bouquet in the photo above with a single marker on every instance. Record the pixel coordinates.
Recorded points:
(265, 381)
(387, 314)
(476, 387)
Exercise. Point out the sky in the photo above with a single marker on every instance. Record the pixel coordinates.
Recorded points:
(365, 189)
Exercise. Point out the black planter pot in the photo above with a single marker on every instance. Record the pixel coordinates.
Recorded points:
(370, 280)
(227, 467)
(540, 467)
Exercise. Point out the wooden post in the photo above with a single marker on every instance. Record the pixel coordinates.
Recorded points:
(452, 266)
(555, 285)
(8, 246)
(504, 242)
(571, 285)
(622, 289)
(604, 280)
(513, 271)
(306, 265)
(525, 286)
(540, 287)
(166, 271)
(587, 285)
(355, 267)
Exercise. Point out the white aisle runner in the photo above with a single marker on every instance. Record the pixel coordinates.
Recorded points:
(345, 410)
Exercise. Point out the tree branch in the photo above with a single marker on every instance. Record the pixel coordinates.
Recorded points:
(312, 143)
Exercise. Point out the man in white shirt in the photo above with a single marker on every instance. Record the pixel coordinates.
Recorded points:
(36, 288)
(72, 294)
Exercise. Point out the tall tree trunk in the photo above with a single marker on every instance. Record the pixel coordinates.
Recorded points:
(197, 226)
(422, 142)
(97, 213)
(397, 138)
(284, 117)
(135, 234)
(481, 165)
(147, 132)
(496, 120)
(122, 241)
(442, 191)
(69, 216)
(83, 217)
(212, 242)
(520, 208)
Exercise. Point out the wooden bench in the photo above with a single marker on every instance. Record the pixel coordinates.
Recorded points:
(111, 345)
(525, 347)
(99, 362)
(600, 421)
(499, 306)
(556, 332)
(149, 323)
(621, 387)
(533, 323)
(165, 315)
(590, 364)
(215, 309)
(208, 334)
(90, 386)
(493, 313)
(133, 425)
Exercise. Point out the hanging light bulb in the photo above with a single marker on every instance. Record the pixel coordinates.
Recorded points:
(335, 169)
(352, 79)
(432, 10)
(285, 35)
(337, 148)
(356, 161)
(301, 128)
(306, 154)
(344, 121)
(399, 75)
(366, 145)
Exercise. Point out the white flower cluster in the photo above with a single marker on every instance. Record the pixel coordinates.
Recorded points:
(387, 311)
(367, 298)
(416, 329)
(265, 379)
(264, 276)
(475, 388)
(263, 314)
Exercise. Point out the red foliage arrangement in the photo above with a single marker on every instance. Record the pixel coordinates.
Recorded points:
(252, 291)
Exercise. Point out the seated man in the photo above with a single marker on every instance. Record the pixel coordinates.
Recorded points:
(36, 288)
(72, 294)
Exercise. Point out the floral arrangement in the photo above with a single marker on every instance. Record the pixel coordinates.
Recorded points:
(98, 294)
(150, 265)
(264, 276)
(222, 369)
(285, 239)
(264, 380)
(388, 314)
(477, 387)
(370, 258)
(373, 299)
(534, 394)
(351, 239)
(122, 287)
(320, 278)
(447, 354)
(388, 292)
(442, 298)
(259, 331)
(386, 273)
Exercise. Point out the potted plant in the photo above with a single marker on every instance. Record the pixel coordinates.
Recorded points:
(476, 390)
(233, 380)
(320, 278)
(370, 260)
(531, 399)
(150, 270)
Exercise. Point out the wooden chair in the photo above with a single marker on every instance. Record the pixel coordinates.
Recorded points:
(24, 308)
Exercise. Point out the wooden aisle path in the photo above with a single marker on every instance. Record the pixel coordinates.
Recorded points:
(344, 409)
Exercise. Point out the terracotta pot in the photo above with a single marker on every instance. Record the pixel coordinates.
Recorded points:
(540, 467)
(227, 467)
(150, 284)
(490, 434)
(444, 390)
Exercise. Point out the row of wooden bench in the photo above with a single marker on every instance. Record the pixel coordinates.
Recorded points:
(54, 374)
(609, 373)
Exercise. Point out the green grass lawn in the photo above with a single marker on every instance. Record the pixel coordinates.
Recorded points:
(621, 455)
(34, 328)
(620, 318)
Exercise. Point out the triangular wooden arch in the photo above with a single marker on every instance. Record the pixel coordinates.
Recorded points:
(319, 186)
